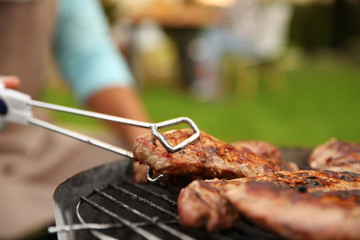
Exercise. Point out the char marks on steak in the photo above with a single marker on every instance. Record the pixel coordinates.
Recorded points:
(298, 215)
(202, 203)
(336, 155)
(207, 157)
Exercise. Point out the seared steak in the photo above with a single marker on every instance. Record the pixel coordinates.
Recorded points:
(266, 150)
(202, 203)
(298, 215)
(336, 155)
(263, 149)
(207, 157)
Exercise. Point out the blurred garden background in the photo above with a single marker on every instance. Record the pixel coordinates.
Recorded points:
(310, 93)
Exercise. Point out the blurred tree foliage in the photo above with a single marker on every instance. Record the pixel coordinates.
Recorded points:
(325, 25)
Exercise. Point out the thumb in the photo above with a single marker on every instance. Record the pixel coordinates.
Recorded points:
(10, 81)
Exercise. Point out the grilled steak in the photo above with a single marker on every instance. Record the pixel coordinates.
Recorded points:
(140, 173)
(263, 149)
(207, 157)
(298, 215)
(202, 203)
(266, 150)
(336, 155)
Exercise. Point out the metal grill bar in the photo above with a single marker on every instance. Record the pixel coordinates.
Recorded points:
(161, 225)
(150, 191)
(143, 200)
(129, 224)
(78, 227)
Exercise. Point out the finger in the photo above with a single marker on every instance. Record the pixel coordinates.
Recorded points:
(10, 81)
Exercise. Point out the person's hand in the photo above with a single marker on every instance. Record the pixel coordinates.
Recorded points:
(10, 81)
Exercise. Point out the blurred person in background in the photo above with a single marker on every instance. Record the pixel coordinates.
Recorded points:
(252, 29)
(34, 161)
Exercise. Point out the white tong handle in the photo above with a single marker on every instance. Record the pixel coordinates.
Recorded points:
(16, 107)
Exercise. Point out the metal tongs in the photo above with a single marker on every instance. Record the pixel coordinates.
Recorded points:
(16, 107)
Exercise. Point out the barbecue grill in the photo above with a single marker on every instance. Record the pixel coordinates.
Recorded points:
(105, 203)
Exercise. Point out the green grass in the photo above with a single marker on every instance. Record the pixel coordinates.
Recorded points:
(323, 101)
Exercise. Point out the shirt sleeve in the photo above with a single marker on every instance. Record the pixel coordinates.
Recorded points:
(84, 50)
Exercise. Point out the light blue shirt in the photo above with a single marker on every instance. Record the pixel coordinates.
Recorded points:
(84, 50)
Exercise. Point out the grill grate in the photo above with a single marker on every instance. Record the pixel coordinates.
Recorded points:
(148, 211)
